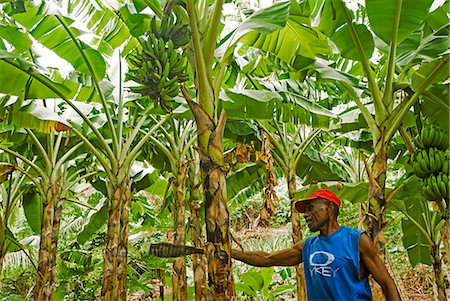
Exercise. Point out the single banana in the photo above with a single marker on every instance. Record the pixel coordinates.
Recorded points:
(435, 187)
(423, 135)
(431, 160)
(442, 185)
(445, 165)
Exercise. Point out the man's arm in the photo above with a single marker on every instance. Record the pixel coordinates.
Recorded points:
(377, 268)
(287, 257)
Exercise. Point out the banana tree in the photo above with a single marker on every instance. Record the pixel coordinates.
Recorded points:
(175, 145)
(210, 125)
(52, 179)
(114, 146)
(390, 102)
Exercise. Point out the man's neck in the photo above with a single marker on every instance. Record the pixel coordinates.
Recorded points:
(329, 228)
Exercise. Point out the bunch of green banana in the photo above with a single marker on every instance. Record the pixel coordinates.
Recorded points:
(432, 136)
(171, 28)
(426, 162)
(436, 187)
(158, 69)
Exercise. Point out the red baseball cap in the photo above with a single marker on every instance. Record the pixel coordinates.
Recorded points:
(318, 194)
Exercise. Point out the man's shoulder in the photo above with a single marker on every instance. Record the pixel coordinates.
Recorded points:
(353, 231)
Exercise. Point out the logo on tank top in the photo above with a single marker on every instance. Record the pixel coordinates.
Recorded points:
(319, 262)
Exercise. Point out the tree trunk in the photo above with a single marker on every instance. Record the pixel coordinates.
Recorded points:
(45, 284)
(374, 220)
(445, 234)
(297, 236)
(270, 182)
(198, 261)
(210, 140)
(220, 272)
(444, 207)
(179, 280)
(2, 247)
(56, 227)
(438, 273)
(115, 255)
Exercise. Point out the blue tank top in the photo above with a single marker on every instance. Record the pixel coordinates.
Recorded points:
(332, 266)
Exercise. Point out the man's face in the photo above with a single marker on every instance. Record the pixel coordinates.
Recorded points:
(317, 214)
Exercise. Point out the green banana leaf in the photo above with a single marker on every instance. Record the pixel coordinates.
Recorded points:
(415, 242)
(61, 35)
(94, 221)
(421, 74)
(18, 73)
(417, 48)
(296, 38)
(249, 178)
(18, 39)
(264, 21)
(381, 15)
(32, 207)
(328, 16)
(343, 40)
(111, 25)
(276, 29)
(247, 104)
(352, 192)
(436, 106)
(11, 243)
(313, 169)
(40, 118)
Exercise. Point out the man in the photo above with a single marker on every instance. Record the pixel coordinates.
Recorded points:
(337, 262)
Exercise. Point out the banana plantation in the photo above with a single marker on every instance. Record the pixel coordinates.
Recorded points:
(142, 140)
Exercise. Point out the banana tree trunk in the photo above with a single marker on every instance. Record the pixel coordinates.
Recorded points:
(115, 255)
(297, 236)
(179, 280)
(445, 230)
(218, 249)
(56, 227)
(2, 258)
(374, 220)
(445, 234)
(270, 181)
(2, 247)
(439, 278)
(45, 285)
(198, 261)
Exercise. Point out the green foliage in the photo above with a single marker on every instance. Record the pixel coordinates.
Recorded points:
(258, 283)
(95, 220)
(381, 15)
(421, 226)
(18, 283)
(32, 207)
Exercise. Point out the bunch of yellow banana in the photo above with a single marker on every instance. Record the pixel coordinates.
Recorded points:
(436, 187)
(158, 69)
(432, 136)
(428, 162)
